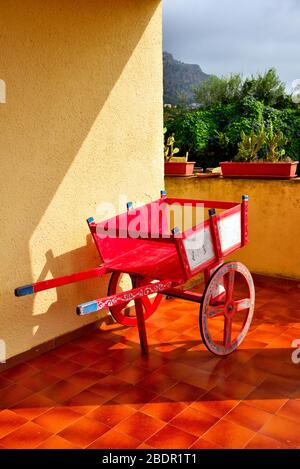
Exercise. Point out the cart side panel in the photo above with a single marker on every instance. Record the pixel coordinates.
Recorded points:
(127, 231)
(212, 240)
(230, 230)
(199, 248)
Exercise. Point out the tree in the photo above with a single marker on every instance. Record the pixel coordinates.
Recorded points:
(216, 90)
(266, 88)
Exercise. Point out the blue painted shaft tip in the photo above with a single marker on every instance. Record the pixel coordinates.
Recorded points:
(163, 192)
(90, 220)
(129, 205)
(245, 197)
(86, 308)
(211, 212)
(24, 290)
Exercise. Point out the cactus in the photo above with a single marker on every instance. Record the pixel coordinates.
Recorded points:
(169, 150)
(274, 141)
(250, 145)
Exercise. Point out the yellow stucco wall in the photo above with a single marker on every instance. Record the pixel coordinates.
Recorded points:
(81, 125)
(274, 218)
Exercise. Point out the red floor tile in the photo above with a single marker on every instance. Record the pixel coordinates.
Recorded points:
(114, 440)
(10, 421)
(38, 381)
(86, 377)
(84, 431)
(4, 383)
(248, 416)
(28, 436)
(157, 382)
(33, 406)
(229, 435)
(170, 437)
(109, 387)
(68, 350)
(163, 408)
(260, 441)
(56, 442)
(61, 391)
(184, 392)
(132, 374)
(265, 399)
(135, 397)
(85, 358)
(13, 394)
(194, 421)
(290, 410)
(63, 369)
(18, 372)
(139, 426)
(56, 419)
(85, 401)
(282, 429)
(111, 413)
(202, 443)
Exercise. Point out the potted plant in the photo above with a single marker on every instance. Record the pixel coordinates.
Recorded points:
(176, 165)
(248, 164)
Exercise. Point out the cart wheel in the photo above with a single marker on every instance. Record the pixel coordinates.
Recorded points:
(124, 314)
(225, 323)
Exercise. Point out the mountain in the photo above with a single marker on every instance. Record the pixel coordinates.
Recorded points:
(179, 78)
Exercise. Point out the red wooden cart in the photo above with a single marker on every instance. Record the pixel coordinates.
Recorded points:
(159, 261)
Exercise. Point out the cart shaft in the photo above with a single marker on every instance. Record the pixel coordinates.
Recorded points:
(59, 281)
(123, 297)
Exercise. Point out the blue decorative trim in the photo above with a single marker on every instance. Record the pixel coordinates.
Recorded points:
(86, 308)
(129, 205)
(90, 220)
(245, 197)
(24, 290)
(162, 193)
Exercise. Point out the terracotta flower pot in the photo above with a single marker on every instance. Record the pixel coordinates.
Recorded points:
(179, 169)
(264, 170)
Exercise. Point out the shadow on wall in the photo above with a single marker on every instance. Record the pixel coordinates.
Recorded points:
(60, 61)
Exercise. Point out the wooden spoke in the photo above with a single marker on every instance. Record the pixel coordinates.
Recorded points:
(230, 284)
(215, 311)
(240, 305)
(227, 331)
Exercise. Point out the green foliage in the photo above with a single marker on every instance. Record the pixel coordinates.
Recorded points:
(220, 130)
(266, 88)
(192, 129)
(216, 90)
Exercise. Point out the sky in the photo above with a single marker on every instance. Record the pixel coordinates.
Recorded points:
(229, 36)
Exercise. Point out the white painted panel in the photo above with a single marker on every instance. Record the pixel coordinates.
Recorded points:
(230, 230)
(199, 248)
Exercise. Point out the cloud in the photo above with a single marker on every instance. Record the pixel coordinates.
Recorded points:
(225, 36)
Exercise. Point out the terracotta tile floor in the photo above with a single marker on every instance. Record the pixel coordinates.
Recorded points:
(99, 392)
